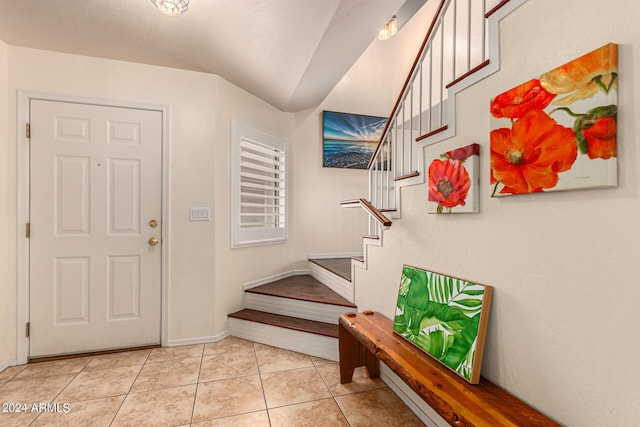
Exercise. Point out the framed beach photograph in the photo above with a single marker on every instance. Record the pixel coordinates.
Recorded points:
(349, 140)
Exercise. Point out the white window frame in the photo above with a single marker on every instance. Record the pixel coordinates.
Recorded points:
(246, 137)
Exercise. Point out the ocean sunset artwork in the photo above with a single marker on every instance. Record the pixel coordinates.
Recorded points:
(349, 140)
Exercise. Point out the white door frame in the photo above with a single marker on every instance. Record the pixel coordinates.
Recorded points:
(23, 196)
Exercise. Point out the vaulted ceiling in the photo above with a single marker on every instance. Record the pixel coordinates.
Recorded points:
(290, 53)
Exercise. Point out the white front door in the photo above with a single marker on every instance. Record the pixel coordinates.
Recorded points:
(96, 188)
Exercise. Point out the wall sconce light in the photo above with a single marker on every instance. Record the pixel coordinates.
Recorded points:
(390, 29)
(171, 7)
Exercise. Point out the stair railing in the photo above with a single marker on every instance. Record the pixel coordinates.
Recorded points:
(454, 48)
(377, 220)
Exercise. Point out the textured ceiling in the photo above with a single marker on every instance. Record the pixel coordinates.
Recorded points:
(290, 53)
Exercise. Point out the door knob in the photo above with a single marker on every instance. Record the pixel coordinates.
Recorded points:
(153, 241)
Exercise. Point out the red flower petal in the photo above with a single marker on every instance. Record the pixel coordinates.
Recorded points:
(464, 153)
(528, 157)
(518, 101)
(601, 138)
(449, 182)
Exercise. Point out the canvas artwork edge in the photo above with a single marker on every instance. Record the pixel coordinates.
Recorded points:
(575, 105)
(476, 347)
(354, 140)
(453, 187)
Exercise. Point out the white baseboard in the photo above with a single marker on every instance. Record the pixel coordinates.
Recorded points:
(334, 255)
(9, 363)
(419, 407)
(198, 340)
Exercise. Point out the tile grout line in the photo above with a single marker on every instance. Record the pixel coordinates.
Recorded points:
(332, 395)
(63, 388)
(88, 368)
(195, 394)
(129, 391)
(264, 395)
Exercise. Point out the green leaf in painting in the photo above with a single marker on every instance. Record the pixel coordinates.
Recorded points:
(401, 302)
(418, 294)
(448, 288)
(400, 324)
(436, 343)
(468, 302)
(463, 343)
(428, 322)
(440, 314)
(414, 321)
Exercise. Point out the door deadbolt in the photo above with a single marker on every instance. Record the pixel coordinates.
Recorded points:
(153, 223)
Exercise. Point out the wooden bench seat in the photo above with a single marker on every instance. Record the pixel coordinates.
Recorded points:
(366, 339)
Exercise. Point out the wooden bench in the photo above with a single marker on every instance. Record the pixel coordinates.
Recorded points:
(367, 338)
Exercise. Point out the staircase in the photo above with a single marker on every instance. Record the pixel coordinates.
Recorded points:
(461, 48)
(300, 312)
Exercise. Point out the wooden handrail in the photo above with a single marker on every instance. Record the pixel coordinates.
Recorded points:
(468, 73)
(495, 9)
(433, 132)
(371, 210)
(407, 176)
(416, 62)
(353, 203)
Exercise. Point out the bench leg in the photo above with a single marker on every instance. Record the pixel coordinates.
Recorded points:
(352, 355)
(373, 365)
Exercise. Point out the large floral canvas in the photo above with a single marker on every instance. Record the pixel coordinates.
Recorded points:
(444, 317)
(558, 132)
(454, 181)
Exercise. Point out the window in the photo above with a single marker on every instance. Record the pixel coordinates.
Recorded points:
(259, 186)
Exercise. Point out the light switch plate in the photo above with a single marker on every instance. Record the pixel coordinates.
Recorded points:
(199, 214)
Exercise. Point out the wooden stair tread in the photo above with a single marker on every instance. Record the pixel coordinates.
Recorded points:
(339, 266)
(303, 288)
(294, 323)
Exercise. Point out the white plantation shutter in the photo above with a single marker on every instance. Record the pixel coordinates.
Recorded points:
(259, 180)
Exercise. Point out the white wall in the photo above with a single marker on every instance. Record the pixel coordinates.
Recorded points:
(200, 106)
(563, 332)
(191, 135)
(235, 267)
(370, 87)
(7, 212)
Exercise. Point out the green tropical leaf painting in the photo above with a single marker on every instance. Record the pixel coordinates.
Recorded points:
(445, 317)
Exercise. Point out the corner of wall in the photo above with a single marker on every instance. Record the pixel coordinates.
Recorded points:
(7, 251)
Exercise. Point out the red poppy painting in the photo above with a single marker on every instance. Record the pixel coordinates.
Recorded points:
(453, 181)
(558, 132)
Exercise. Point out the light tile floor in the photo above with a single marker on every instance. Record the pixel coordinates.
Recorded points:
(229, 383)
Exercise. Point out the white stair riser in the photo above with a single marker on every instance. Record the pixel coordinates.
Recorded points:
(336, 283)
(295, 308)
(301, 342)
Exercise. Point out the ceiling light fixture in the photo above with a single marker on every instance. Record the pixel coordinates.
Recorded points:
(171, 7)
(390, 29)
